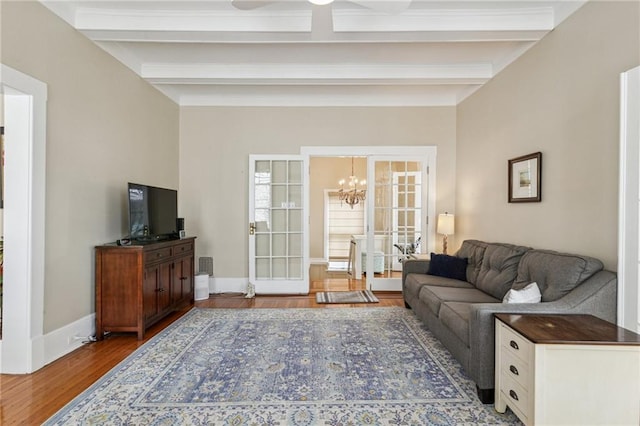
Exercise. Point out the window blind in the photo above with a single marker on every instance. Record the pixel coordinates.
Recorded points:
(342, 222)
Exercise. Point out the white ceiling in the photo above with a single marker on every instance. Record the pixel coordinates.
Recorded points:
(292, 53)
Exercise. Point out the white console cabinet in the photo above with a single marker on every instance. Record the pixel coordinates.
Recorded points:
(567, 370)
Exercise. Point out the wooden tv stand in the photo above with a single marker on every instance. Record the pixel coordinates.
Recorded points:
(138, 285)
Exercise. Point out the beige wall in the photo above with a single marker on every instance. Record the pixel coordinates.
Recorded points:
(105, 126)
(560, 98)
(215, 144)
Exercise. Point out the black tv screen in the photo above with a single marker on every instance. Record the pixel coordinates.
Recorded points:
(152, 212)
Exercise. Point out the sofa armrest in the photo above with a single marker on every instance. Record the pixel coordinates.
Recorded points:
(414, 266)
(596, 296)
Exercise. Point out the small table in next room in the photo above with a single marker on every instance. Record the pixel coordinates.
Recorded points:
(567, 370)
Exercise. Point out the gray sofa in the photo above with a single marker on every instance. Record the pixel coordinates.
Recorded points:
(460, 312)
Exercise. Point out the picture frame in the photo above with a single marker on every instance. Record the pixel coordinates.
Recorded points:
(525, 178)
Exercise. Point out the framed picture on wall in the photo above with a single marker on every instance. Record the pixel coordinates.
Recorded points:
(525, 177)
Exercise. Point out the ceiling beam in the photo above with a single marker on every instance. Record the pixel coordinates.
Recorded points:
(275, 73)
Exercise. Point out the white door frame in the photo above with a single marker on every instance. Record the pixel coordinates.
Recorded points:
(629, 202)
(426, 154)
(25, 98)
(282, 285)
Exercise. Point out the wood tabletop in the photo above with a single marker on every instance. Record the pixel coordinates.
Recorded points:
(573, 329)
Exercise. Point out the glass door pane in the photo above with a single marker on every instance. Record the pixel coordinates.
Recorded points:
(276, 255)
(397, 224)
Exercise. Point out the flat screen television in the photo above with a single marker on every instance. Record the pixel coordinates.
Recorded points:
(152, 212)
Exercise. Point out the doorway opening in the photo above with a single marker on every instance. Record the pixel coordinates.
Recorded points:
(333, 221)
(341, 221)
(393, 222)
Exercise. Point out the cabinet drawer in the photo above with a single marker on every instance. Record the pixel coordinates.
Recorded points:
(159, 254)
(182, 248)
(517, 397)
(515, 344)
(516, 368)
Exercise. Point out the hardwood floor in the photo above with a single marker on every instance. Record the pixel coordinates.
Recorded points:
(31, 399)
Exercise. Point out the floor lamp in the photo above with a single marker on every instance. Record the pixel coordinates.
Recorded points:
(446, 227)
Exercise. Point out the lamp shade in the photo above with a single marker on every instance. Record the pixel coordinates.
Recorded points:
(445, 224)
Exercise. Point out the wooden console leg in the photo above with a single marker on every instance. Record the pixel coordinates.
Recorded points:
(99, 332)
(501, 404)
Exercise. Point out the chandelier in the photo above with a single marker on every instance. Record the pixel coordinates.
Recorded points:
(352, 195)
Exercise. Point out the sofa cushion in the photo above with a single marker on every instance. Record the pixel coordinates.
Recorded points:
(455, 316)
(414, 283)
(499, 268)
(473, 251)
(556, 273)
(418, 280)
(435, 296)
(446, 266)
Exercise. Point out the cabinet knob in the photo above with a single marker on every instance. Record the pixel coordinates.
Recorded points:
(514, 345)
(514, 370)
(513, 395)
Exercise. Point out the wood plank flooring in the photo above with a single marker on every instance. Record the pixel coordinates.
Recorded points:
(33, 398)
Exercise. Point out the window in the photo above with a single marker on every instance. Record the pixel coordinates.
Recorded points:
(341, 221)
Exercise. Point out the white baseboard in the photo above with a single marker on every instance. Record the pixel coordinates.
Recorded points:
(239, 285)
(266, 287)
(387, 287)
(228, 285)
(62, 341)
(18, 349)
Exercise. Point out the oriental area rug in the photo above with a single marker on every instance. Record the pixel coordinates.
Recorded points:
(342, 366)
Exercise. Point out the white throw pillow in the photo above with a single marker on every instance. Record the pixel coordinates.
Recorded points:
(529, 294)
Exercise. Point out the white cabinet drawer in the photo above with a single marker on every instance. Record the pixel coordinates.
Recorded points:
(515, 344)
(517, 369)
(517, 397)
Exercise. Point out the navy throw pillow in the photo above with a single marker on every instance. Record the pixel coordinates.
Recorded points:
(447, 266)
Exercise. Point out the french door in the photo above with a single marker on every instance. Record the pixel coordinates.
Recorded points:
(398, 207)
(400, 199)
(278, 249)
